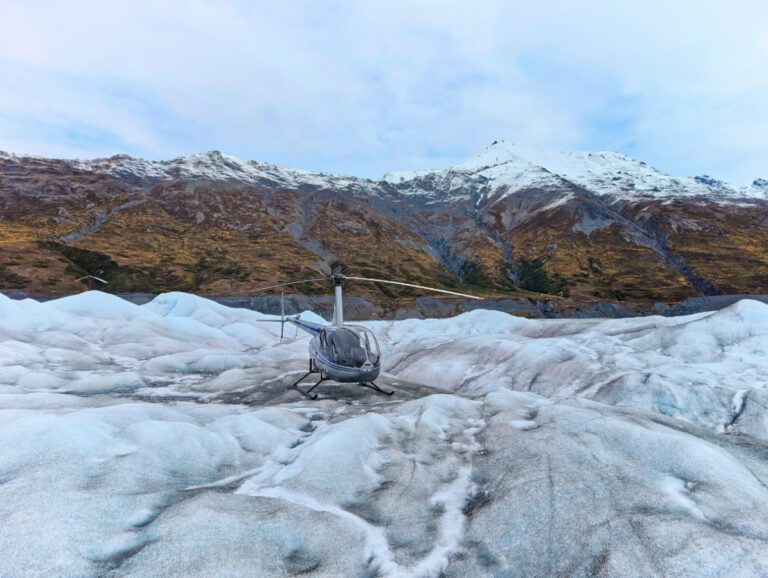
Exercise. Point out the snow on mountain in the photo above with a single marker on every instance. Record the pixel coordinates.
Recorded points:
(161, 440)
(600, 172)
(215, 166)
(482, 174)
(603, 173)
(396, 177)
(501, 165)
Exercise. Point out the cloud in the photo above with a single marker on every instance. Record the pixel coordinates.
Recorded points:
(366, 87)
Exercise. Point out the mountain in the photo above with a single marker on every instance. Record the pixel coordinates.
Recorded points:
(580, 226)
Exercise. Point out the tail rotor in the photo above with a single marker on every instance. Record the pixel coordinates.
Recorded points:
(282, 321)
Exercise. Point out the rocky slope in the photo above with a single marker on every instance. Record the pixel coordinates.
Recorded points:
(585, 226)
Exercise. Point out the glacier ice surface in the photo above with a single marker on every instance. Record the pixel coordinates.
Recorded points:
(161, 440)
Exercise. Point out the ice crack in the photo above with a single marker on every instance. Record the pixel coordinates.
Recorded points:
(451, 498)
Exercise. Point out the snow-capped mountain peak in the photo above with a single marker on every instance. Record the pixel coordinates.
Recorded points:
(497, 153)
(213, 165)
(604, 173)
(500, 170)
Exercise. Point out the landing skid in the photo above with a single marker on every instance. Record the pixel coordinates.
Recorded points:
(312, 370)
(375, 387)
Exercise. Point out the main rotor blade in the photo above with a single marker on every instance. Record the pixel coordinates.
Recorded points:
(290, 283)
(415, 286)
(93, 277)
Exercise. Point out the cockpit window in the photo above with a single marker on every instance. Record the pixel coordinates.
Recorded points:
(353, 347)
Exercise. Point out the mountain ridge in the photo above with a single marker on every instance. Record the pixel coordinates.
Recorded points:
(569, 225)
(215, 165)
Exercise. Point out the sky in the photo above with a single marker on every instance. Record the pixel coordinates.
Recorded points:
(365, 87)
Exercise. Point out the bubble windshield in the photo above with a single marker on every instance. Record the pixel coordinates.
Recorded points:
(352, 346)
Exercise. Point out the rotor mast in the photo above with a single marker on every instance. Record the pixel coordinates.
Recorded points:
(338, 309)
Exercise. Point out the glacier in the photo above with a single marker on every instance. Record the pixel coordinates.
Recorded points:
(162, 440)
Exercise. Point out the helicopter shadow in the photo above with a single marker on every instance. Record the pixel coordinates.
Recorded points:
(280, 391)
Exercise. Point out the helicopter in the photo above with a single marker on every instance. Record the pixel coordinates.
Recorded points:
(339, 351)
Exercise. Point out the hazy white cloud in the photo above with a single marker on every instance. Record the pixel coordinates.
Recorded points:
(365, 87)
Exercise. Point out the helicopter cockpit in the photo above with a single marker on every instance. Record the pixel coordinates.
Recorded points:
(350, 346)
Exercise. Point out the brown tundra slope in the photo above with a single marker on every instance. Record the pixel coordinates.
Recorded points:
(579, 226)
